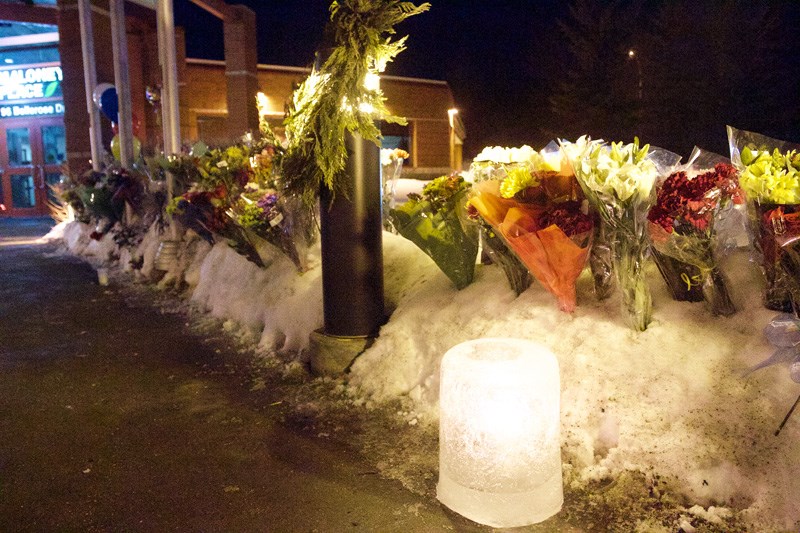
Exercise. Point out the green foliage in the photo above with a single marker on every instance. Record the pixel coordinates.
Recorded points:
(250, 215)
(441, 196)
(334, 100)
(434, 221)
(229, 169)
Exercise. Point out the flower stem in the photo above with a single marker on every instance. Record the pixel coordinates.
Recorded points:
(786, 418)
(630, 254)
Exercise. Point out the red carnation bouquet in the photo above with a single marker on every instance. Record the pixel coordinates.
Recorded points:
(537, 212)
(682, 229)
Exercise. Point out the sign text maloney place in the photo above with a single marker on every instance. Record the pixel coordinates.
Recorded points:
(30, 83)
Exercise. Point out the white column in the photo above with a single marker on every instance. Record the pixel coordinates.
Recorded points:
(119, 41)
(169, 83)
(90, 82)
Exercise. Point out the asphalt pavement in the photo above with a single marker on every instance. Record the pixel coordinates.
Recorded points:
(116, 416)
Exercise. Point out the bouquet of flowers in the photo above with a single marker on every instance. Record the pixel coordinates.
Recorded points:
(272, 217)
(618, 180)
(434, 221)
(237, 194)
(201, 211)
(102, 197)
(495, 162)
(683, 232)
(97, 198)
(219, 177)
(770, 178)
(534, 209)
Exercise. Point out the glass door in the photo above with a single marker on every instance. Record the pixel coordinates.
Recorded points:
(16, 155)
(31, 156)
(54, 155)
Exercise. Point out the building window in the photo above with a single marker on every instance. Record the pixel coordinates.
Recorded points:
(54, 144)
(19, 147)
(23, 193)
(396, 136)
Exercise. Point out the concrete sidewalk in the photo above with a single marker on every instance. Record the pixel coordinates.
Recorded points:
(23, 230)
(116, 417)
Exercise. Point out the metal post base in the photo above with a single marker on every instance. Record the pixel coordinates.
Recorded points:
(332, 355)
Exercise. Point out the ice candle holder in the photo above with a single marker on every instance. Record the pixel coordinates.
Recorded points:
(499, 433)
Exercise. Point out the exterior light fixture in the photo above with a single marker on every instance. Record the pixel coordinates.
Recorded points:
(263, 103)
(499, 434)
(633, 55)
(451, 115)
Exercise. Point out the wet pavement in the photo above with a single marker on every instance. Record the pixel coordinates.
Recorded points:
(117, 416)
(122, 409)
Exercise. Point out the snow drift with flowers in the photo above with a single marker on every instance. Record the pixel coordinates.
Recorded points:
(671, 402)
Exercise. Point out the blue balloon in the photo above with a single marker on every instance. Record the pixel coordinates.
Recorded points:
(109, 104)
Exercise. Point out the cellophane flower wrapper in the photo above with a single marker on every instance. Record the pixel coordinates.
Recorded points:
(496, 163)
(391, 169)
(683, 229)
(618, 180)
(99, 204)
(770, 177)
(204, 213)
(277, 219)
(498, 253)
(526, 216)
(601, 262)
(208, 214)
(439, 228)
(776, 229)
(105, 194)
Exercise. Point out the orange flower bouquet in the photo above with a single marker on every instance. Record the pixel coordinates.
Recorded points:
(535, 210)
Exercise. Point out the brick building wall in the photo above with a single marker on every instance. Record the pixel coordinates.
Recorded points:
(423, 102)
(204, 92)
(143, 70)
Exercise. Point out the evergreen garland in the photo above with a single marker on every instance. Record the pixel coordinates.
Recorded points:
(333, 100)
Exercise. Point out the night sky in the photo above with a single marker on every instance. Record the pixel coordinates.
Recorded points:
(506, 59)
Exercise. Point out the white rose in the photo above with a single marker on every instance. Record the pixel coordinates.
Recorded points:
(489, 154)
(520, 155)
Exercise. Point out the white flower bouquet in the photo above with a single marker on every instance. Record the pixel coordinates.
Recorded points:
(618, 180)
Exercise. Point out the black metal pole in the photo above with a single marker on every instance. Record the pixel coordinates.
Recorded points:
(352, 247)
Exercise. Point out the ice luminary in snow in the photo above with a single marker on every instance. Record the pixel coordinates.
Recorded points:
(499, 434)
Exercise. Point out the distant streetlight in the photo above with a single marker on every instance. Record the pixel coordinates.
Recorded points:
(633, 55)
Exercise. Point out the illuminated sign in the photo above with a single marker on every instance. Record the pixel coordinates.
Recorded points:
(44, 109)
(33, 82)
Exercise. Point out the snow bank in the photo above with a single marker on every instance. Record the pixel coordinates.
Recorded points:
(286, 306)
(671, 402)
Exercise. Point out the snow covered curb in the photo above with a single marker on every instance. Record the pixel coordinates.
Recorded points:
(670, 402)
